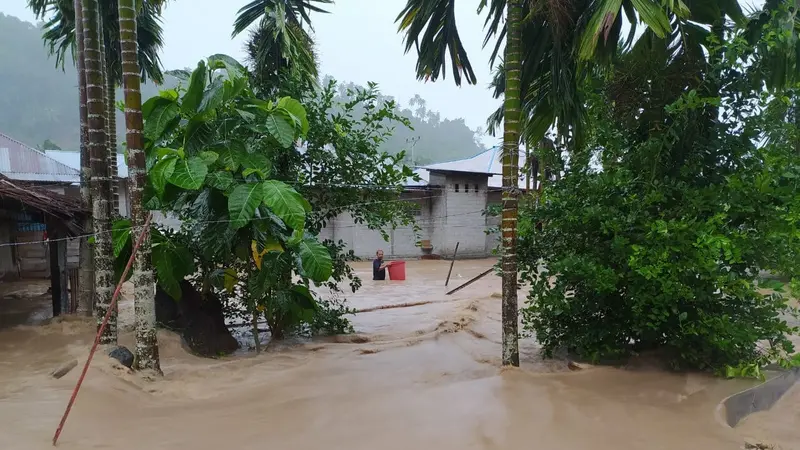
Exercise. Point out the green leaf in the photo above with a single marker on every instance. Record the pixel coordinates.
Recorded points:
(296, 109)
(172, 263)
(316, 260)
(194, 93)
(600, 23)
(234, 68)
(198, 136)
(213, 97)
(189, 173)
(286, 203)
(121, 235)
(280, 129)
(160, 118)
(256, 161)
(209, 157)
(653, 15)
(303, 297)
(232, 155)
(243, 202)
(160, 174)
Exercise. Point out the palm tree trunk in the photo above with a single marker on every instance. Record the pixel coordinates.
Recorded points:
(86, 272)
(144, 294)
(511, 124)
(98, 149)
(112, 139)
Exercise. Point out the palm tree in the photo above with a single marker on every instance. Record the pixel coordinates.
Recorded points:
(546, 58)
(280, 46)
(96, 142)
(59, 34)
(143, 280)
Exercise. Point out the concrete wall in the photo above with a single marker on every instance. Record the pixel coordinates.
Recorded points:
(446, 216)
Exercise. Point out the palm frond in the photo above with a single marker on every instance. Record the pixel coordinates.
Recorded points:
(295, 12)
(430, 27)
(59, 34)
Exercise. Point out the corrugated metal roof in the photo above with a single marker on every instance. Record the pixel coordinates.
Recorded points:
(73, 159)
(23, 163)
(487, 162)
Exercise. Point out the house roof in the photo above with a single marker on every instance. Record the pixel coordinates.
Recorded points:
(23, 163)
(73, 159)
(19, 196)
(487, 162)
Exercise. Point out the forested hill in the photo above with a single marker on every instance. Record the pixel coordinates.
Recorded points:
(39, 103)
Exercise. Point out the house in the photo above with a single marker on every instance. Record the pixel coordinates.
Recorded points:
(54, 171)
(453, 197)
(24, 204)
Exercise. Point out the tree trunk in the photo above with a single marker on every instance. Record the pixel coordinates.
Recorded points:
(98, 149)
(510, 184)
(144, 294)
(86, 271)
(112, 138)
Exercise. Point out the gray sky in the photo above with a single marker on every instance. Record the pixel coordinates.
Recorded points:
(357, 42)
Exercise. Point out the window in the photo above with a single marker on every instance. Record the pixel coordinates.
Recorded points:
(416, 209)
(476, 188)
(466, 187)
(456, 185)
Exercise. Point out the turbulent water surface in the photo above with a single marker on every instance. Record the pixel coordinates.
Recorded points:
(418, 377)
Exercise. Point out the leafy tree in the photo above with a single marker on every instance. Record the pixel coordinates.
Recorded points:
(659, 248)
(239, 171)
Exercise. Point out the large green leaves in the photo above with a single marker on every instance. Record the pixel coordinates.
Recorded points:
(296, 109)
(243, 202)
(281, 129)
(194, 93)
(173, 263)
(316, 259)
(189, 173)
(163, 114)
(161, 172)
(286, 203)
(121, 235)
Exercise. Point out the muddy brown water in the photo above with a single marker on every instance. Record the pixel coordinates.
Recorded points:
(424, 377)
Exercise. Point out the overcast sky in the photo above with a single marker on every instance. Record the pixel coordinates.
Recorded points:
(357, 42)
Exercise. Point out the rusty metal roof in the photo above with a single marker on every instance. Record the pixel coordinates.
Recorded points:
(23, 163)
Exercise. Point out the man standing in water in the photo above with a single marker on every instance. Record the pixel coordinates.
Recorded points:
(379, 267)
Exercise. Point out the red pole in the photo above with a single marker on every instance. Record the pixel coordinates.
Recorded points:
(102, 327)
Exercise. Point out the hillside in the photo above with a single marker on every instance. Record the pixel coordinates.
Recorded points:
(38, 101)
(39, 104)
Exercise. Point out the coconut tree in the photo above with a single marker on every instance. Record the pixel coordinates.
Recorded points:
(143, 279)
(548, 52)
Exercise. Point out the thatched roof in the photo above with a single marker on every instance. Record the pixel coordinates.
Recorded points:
(24, 197)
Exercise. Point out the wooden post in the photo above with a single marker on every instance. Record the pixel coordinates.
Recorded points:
(471, 281)
(455, 252)
(58, 269)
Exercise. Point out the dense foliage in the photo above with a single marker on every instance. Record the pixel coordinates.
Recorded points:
(655, 237)
(254, 181)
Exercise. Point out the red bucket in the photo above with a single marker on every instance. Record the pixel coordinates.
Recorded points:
(397, 270)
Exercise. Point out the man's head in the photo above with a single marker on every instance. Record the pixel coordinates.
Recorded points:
(379, 254)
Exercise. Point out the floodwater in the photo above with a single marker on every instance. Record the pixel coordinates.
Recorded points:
(421, 377)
